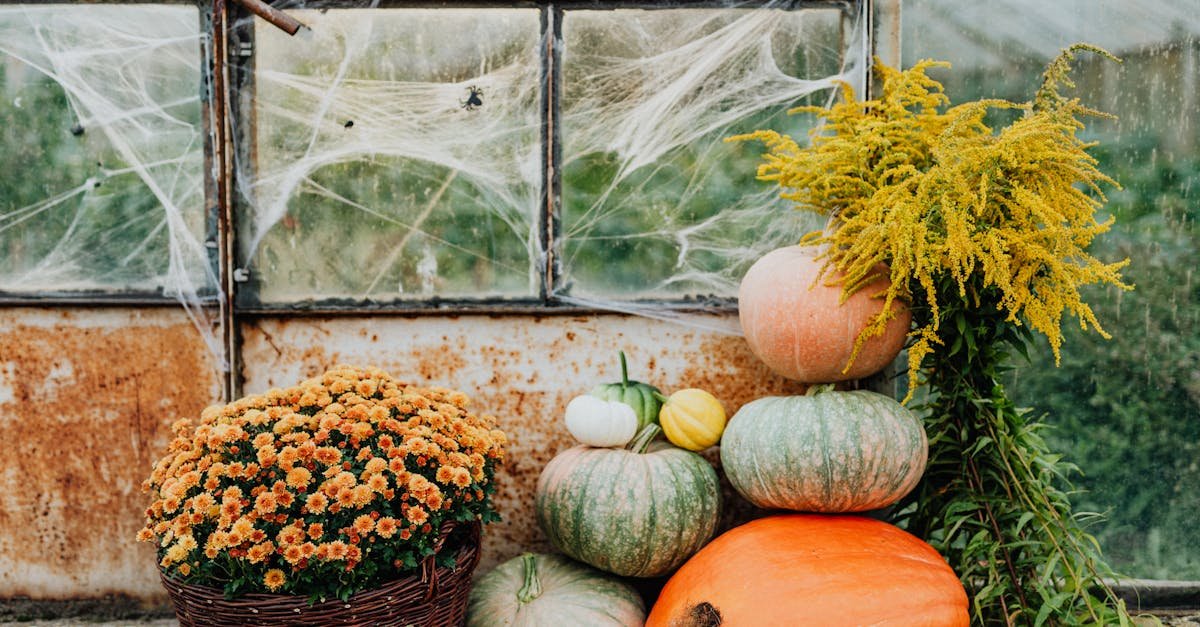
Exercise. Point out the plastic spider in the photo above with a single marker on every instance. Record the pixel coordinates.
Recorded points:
(474, 99)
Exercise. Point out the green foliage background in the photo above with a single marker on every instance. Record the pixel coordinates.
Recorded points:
(1127, 410)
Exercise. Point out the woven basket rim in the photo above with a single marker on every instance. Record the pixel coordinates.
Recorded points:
(466, 555)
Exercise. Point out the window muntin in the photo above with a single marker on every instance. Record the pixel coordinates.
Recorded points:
(1126, 410)
(103, 148)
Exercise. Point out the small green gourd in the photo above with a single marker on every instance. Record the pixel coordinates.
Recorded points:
(642, 397)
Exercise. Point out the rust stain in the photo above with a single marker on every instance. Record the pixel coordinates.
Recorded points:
(729, 371)
(88, 410)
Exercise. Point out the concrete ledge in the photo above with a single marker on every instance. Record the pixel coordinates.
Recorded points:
(1153, 594)
(112, 607)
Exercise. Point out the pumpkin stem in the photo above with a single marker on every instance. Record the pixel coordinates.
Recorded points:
(533, 586)
(659, 395)
(642, 439)
(814, 390)
(624, 371)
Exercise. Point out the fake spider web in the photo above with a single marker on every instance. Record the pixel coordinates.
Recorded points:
(675, 196)
(361, 176)
(103, 154)
(654, 205)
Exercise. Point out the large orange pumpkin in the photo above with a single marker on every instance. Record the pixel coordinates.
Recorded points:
(794, 323)
(813, 569)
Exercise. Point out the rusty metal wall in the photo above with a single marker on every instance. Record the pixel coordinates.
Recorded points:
(86, 400)
(87, 396)
(522, 369)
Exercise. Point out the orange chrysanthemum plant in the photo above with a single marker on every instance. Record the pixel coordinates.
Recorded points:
(324, 489)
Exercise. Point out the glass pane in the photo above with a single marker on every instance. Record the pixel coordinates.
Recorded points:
(102, 149)
(1126, 410)
(397, 155)
(655, 203)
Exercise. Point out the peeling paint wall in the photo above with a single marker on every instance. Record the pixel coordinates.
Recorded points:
(522, 369)
(86, 400)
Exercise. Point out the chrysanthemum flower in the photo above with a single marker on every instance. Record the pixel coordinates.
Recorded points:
(416, 515)
(316, 503)
(265, 503)
(274, 579)
(364, 524)
(386, 527)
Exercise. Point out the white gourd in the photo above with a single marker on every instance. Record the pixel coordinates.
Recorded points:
(600, 423)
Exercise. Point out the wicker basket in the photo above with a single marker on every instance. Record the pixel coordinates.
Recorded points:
(435, 597)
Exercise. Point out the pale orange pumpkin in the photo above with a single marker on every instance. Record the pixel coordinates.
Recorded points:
(795, 324)
(813, 569)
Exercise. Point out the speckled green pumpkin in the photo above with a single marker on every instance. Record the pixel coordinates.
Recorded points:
(827, 451)
(642, 397)
(635, 514)
(535, 590)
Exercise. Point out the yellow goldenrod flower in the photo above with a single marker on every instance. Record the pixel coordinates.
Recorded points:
(932, 191)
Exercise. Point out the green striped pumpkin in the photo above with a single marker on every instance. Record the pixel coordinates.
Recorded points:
(534, 590)
(826, 451)
(636, 512)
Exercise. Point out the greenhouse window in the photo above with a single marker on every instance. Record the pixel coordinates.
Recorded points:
(532, 156)
(525, 156)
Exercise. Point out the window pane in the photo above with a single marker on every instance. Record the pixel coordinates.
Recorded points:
(1127, 410)
(655, 203)
(397, 155)
(102, 149)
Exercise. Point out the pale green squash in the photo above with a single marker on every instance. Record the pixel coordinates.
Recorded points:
(538, 590)
(637, 512)
(826, 451)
